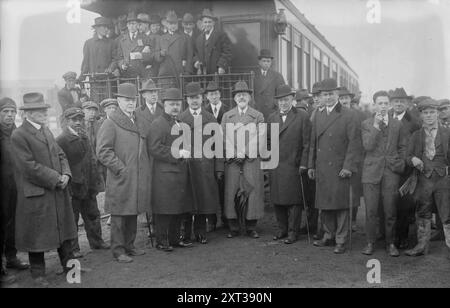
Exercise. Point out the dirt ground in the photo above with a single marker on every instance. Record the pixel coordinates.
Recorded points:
(245, 262)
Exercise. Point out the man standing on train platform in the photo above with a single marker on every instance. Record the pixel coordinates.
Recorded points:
(335, 144)
(8, 112)
(212, 52)
(405, 210)
(285, 181)
(266, 81)
(204, 173)
(152, 42)
(241, 166)
(150, 109)
(84, 183)
(70, 95)
(429, 153)
(444, 112)
(172, 192)
(217, 109)
(122, 149)
(191, 34)
(42, 174)
(384, 142)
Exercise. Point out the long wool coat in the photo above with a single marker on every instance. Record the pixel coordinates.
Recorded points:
(44, 215)
(122, 149)
(335, 145)
(202, 170)
(178, 49)
(214, 52)
(265, 87)
(251, 170)
(294, 134)
(171, 190)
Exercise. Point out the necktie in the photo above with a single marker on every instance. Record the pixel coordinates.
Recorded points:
(152, 109)
(195, 113)
(430, 148)
(215, 110)
(44, 132)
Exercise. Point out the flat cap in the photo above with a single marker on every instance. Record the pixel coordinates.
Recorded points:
(108, 102)
(90, 104)
(7, 102)
(428, 103)
(69, 76)
(73, 112)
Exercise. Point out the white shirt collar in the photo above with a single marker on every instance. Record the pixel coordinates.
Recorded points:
(198, 111)
(189, 33)
(149, 106)
(330, 109)
(72, 130)
(399, 116)
(37, 126)
(210, 32)
(131, 35)
(263, 71)
(240, 111)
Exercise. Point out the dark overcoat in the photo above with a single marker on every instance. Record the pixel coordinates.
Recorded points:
(98, 55)
(122, 149)
(125, 46)
(171, 190)
(177, 50)
(202, 170)
(214, 52)
(222, 111)
(265, 87)
(44, 215)
(293, 141)
(335, 145)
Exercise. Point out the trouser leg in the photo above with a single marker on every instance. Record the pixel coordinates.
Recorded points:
(37, 264)
(442, 200)
(174, 228)
(328, 218)
(405, 214)
(221, 185)
(91, 217)
(390, 195)
(342, 226)
(372, 200)
(250, 224)
(65, 253)
(188, 224)
(281, 214)
(200, 225)
(130, 232)
(233, 225)
(118, 241)
(76, 206)
(294, 220)
(10, 243)
(162, 229)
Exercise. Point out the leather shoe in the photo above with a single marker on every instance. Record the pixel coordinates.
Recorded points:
(290, 240)
(17, 264)
(323, 243)
(202, 239)
(124, 259)
(136, 252)
(369, 250)
(166, 248)
(232, 234)
(279, 236)
(253, 234)
(393, 251)
(183, 244)
(339, 249)
(101, 246)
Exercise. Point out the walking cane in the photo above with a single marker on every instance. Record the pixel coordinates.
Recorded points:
(305, 208)
(350, 219)
(150, 233)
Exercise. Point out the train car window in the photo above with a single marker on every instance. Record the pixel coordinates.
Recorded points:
(285, 60)
(306, 64)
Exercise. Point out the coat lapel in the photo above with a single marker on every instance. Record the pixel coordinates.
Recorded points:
(328, 120)
(265, 81)
(123, 121)
(289, 119)
(35, 132)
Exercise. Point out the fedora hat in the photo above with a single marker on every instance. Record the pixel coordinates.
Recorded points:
(343, 91)
(241, 86)
(212, 86)
(328, 84)
(316, 88)
(34, 100)
(143, 17)
(283, 91)
(188, 19)
(265, 53)
(302, 94)
(127, 90)
(155, 19)
(172, 94)
(193, 89)
(428, 103)
(149, 85)
(400, 93)
(102, 21)
(172, 17)
(208, 14)
(132, 17)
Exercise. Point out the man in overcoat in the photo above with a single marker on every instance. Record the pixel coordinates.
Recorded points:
(293, 142)
(266, 82)
(44, 215)
(122, 149)
(240, 164)
(203, 172)
(335, 142)
(84, 182)
(212, 48)
(384, 141)
(172, 192)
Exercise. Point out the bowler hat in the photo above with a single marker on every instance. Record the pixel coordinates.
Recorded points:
(283, 91)
(428, 103)
(193, 89)
(302, 94)
(127, 90)
(7, 102)
(132, 17)
(265, 53)
(188, 19)
(443, 103)
(101, 21)
(144, 18)
(108, 102)
(399, 93)
(212, 86)
(241, 86)
(207, 13)
(316, 88)
(70, 76)
(73, 112)
(172, 17)
(343, 91)
(328, 84)
(172, 94)
(155, 19)
(149, 85)
(34, 100)
(90, 104)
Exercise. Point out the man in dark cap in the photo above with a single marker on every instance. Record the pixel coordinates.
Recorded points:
(444, 112)
(109, 105)
(152, 42)
(70, 95)
(302, 99)
(429, 153)
(8, 112)
(42, 174)
(266, 81)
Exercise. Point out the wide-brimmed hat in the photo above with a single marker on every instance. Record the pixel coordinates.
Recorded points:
(188, 19)
(155, 19)
(302, 94)
(328, 84)
(132, 17)
(241, 86)
(33, 100)
(193, 89)
(316, 88)
(343, 91)
(69, 76)
(7, 102)
(212, 86)
(102, 21)
(108, 102)
(207, 13)
(73, 112)
(283, 91)
(399, 93)
(149, 85)
(172, 17)
(172, 94)
(90, 104)
(143, 17)
(443, 103)
(428, 103)
(265, 53)
(127, 90)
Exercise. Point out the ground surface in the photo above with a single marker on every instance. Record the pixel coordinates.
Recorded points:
(245, 262)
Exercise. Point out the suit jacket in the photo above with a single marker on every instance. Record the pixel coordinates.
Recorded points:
(177, 50)
(150, 58)
(214, 52)
(265, 91)
(335, 145)
(125, 46)
(220, 114)
(65, 99)
(379, 157)
(44, 214)
(293, 143)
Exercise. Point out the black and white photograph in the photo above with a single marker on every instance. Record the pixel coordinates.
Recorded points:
(224, 149)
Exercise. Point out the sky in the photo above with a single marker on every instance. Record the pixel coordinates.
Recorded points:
(409, 48)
